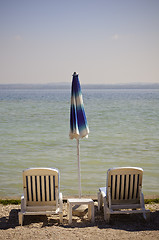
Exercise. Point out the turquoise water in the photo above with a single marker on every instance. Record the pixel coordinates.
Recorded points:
(34, 132)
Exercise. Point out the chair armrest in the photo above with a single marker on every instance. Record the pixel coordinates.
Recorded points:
(22, 197)
(103, 191)
(23, 207)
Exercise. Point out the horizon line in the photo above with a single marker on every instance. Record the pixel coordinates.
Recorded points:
(68, 83)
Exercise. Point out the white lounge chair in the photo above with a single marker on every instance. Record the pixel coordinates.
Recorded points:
(41, 193)
(123, 193)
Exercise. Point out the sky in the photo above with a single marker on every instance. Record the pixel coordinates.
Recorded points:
(105, 41)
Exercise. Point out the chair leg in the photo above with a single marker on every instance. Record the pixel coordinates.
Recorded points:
(21, 217)
(142, 203)
(107, 218)
(98, 196)
(99, 201)
(106, 211)
(144, 215)
(148, 216)
(61, 217)
(106, 214)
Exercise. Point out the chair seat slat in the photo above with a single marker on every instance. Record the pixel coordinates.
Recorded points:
(43, 188)
(47, 188)
(135, 186)
(131, 186)
(38, 188)
(33, 188)
(52, 192)
(113, 186)
(118, 187)
(29, 188)
(122, 187)
(127, 186)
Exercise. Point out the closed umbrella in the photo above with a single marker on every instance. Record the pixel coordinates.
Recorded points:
(78, 121)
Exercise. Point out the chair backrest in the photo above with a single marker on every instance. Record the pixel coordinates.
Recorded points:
(124, 184)
(41, 186)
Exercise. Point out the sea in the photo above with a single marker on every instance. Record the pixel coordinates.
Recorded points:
(34, 132)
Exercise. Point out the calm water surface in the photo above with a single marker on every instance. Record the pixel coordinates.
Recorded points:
(34, 132)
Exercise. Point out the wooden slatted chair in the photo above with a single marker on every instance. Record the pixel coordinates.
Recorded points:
(41, 193)
(123, 193)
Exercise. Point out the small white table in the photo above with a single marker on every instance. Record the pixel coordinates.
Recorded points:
(80, 201)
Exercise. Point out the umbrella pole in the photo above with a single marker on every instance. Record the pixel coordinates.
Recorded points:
(79, 169)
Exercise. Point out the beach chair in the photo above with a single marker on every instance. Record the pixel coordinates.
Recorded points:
(123, 193)
(41, 193)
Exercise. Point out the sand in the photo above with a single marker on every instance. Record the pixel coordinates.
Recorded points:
(42, 227)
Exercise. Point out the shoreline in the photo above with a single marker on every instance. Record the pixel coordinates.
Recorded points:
(93, 197)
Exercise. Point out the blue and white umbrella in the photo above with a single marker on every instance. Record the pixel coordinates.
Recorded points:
(78, 121)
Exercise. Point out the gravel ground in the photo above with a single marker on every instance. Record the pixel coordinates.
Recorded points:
(42, 227)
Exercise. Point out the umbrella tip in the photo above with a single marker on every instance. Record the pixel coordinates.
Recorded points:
(75, 73)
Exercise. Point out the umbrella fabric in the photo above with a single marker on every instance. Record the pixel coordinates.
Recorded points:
(78, 121)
